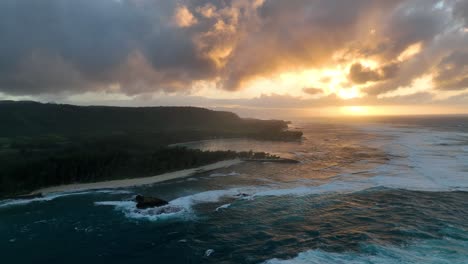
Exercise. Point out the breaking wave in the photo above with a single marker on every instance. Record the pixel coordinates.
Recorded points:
(443, 251)
(224, 174)
(53, 196)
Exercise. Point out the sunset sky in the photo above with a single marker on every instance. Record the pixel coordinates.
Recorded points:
(257, 57)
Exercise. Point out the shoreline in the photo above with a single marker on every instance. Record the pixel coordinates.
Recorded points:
(183, 144)
(125, 183)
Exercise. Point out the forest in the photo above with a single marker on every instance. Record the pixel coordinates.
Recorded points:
(48, 144)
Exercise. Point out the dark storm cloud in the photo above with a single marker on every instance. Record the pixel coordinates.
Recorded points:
(461, 10)
(139, 46)
(433, 25)
(452, 72)
(89, 37)
(360, 74)
(312, 91)
(51, 46)
(412, 22)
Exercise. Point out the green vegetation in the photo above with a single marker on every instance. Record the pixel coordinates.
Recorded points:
(48, 144)
(34, 119)
(24, 171)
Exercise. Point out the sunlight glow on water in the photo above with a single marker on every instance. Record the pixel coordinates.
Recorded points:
(366, 194)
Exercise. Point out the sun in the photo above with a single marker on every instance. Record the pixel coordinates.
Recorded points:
(347, 94)
(356, 110)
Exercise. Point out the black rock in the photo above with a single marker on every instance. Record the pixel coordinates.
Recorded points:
(149, 202)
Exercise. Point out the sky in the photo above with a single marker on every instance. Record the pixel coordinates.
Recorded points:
(254, 57)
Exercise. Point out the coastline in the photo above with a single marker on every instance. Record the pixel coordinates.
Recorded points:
(183, 144)
(115, 184)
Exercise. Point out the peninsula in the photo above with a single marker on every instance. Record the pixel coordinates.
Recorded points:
(44, 145)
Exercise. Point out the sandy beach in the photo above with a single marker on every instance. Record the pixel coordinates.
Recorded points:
(137, 181)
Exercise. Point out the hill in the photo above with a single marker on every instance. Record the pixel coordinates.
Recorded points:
(27, 118)
(52, 144)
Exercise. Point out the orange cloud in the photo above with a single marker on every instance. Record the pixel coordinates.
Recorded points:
(183, 17)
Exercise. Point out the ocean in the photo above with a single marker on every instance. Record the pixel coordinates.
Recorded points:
(387, 190)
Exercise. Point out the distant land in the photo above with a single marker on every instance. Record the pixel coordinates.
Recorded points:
(49, 144)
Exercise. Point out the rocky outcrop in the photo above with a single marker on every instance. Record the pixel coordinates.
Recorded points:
(149, 202)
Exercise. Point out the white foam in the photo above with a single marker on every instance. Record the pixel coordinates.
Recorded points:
(423, 159)
(419, 162)
(446, 251)
(252, 192)
(119, 204)
(207, 197)
(13, 202)
(209, 252)
(224, 206)
(53, 196)
(333, 187)
(224, 174)
(180, 207)
(152, 214)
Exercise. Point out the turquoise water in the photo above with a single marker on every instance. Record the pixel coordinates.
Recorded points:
(372, 193)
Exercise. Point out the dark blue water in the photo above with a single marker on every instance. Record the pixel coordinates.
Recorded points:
(373, 193)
